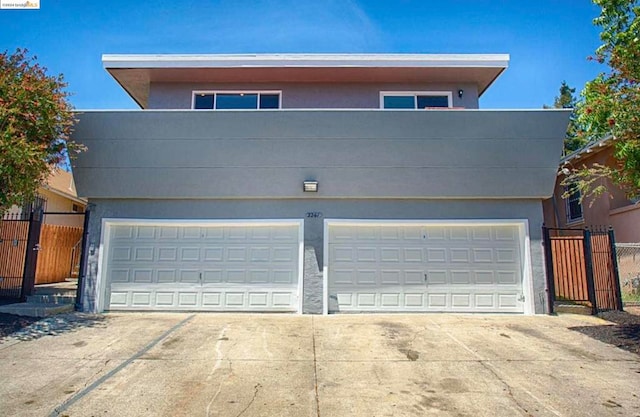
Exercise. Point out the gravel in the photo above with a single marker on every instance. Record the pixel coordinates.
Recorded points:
(10, 323)
(30, 328)
(623, 332)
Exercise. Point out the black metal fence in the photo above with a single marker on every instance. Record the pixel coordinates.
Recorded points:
(19, 237)
(582, 268)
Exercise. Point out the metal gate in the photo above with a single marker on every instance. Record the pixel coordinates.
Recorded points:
(582, 268)
(19, 254)
(20, 236)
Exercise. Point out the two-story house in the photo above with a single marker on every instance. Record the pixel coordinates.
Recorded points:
(315, 183)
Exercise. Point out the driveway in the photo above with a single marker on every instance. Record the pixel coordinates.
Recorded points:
(158, 364)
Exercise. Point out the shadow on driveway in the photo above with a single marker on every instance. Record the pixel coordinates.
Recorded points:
(30, 328)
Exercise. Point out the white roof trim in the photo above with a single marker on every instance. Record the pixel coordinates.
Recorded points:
(64, 194)
(305, 60)
(587, 149)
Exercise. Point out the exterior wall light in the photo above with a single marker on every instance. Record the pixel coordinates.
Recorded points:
(310, 186)
(460, 93)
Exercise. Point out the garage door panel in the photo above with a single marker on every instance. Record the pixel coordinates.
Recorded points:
(284, 276)
(422, 267)
(204, 267)
(165, 299)
(390, 300)
(145, 232)
(167, 254)
(437, 301)
(120, 253)
(141, 298)
(167, 232)
(191, 233)
(122, 232)
(213, 254)
(284, 254)
(437, 277)
(211, 299)
(459, 233)
(390, 277)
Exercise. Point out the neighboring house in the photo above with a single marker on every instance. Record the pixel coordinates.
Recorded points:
(243, 173)
(58, 194)
(611, 209)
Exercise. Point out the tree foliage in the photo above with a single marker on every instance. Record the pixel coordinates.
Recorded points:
(35, 123)
(566, 100)
(611, 102)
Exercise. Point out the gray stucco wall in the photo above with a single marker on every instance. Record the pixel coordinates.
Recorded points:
(308, 95)
(420, 209)
(352, 154)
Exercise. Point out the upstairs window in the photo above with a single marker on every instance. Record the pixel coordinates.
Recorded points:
(415, 100)
(574, 207)
(231, 100)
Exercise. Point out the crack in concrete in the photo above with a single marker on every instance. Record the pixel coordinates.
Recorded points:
(90, 379)
(486, 364)
(216, 366)
(256, 388)
(315, 366)
(507, 386)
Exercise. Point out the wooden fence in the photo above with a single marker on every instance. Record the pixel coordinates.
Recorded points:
(56, 253)
(13, 244)
(569, 268)
(582, 268)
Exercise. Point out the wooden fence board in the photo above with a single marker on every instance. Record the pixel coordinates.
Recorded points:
(56, 251)
(569, 273)
(13, 244)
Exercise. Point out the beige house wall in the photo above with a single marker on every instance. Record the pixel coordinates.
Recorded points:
(58, 203)
(610, 209)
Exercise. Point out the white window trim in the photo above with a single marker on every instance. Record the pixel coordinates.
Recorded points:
(415, 95)
(215, 92)
(568, 210)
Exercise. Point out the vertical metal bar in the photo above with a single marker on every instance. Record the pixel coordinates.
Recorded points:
(586, 234)
(31, 256)
(23, 288)
(83, 260)
(616, 272)
(548, 255)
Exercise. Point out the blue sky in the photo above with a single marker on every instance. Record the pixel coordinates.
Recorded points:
(548, 41)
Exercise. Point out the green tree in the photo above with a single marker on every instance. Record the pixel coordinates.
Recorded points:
(566, 100)
(35, 123)
(611, 102)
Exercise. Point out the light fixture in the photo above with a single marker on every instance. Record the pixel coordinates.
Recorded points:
(310, 186)
(460, 93)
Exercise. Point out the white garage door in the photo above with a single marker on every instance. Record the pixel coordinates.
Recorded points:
(425, 267)
(167, 265)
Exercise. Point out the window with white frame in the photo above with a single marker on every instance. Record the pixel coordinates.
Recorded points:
(415, 100)
(236, 100)
(574, 206)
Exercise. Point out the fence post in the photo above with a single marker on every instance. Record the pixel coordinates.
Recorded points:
(548, 259)
(616, 273)
(588, 264)
(31, 255)
(83, 260)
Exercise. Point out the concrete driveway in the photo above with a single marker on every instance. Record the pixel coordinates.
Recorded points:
(159, 364)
